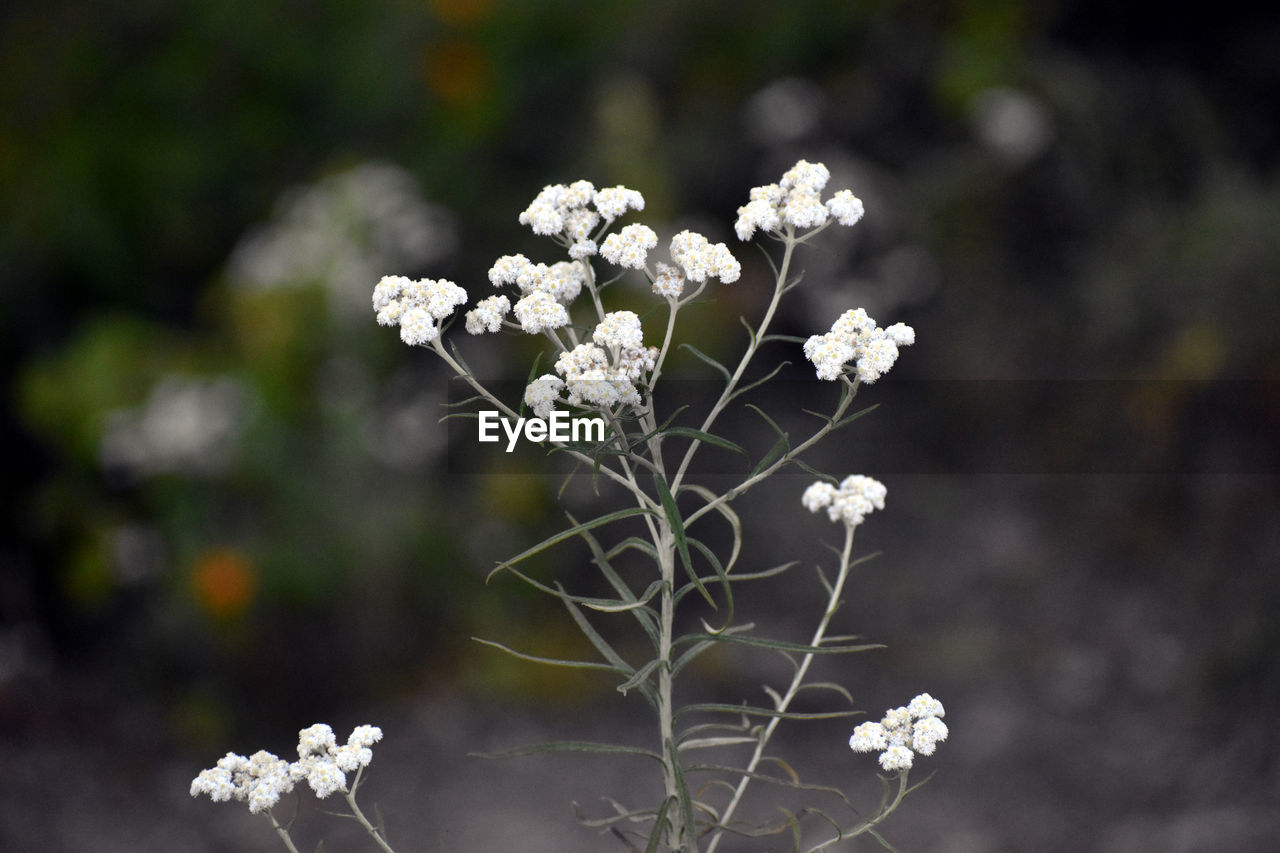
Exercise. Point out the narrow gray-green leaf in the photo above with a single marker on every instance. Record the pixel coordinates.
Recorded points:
(578, 664)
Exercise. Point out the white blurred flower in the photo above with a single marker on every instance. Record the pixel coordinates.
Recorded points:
(188, 425)
(845, 207)
(259, 780)
(339, 231)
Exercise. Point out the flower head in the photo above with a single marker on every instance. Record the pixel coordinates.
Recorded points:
(903, 733)
(619, 329)
(539, 311)
(856, 497)
(487, 315)
(796, 202)
(417, 307)
(855, 337)
(701, 259)
(629, 247)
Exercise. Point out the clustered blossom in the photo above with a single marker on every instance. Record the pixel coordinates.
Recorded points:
(855, 337)
(701, 259)
(417, 307)
(566, 212)
(855, 498)
(629, 247)
(487, 315)
(796, 202)
(669, 281)
(903, 733)
(262, 778)
(601, 372)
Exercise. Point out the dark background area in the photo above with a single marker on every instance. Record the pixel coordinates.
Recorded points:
(230, 512)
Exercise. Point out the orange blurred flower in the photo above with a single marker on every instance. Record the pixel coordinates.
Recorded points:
(224, 582)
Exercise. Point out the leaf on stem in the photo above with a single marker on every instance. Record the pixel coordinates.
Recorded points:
(578, 664)
(568, 534)
(677, 531)
(724, 371)
(569, 746)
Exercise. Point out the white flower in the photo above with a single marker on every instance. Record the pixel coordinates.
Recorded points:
(259, 780)
(868, 737)
(850, 503)
(365, 735)
(818, 496)
(442, 297)
(544, 215)
(829, 354)
(507, 269)
(903, 733)
(316, 740)
(579, 223)
(542, 394)
(896, 758)
(926, 734)
(583, 249)
(700, 259)
(805, 176)
(619, 329)
(845, 207)
(855, 337)
(580, 360)
(615, 201)
(925, 705)
(796, 202)
(323, 775)
(417, 326)
(635, 362)
(487, 315)
(669, 281)
(630, 246)
(539, 311)
(565, 280)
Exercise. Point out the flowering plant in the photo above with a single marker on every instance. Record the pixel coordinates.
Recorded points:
(602, 368)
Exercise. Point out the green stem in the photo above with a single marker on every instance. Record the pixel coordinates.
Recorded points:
(797, 680)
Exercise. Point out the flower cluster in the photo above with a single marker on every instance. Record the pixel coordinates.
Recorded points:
(600, 373)
(565, 212)
(701, 259)
(796, 202)
(850, 503)
(417, 307)
(262, 778)
(903, 733)
(855, 337)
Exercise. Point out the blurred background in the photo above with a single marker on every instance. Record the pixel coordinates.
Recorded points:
(229, 510)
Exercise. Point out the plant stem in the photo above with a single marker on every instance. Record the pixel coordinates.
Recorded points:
(282, 832)
(797, 680)
(363, 821)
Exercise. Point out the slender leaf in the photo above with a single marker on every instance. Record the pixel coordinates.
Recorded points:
(781, 646)
(724, 371)
(569, 534)
(756, 711)
(758, 382)
(705, 742)
(641, 675)
(569, 746)
(578, 664)
(655, 838)
(677, 530)
(705, 438)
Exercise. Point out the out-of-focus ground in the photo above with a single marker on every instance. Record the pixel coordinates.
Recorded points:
(229, 511)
